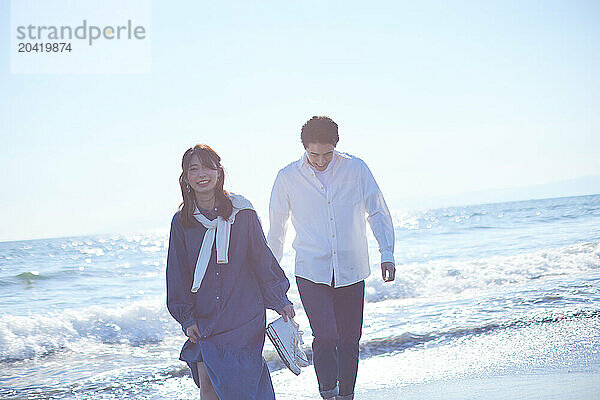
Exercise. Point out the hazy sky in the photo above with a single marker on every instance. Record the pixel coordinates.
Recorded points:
(437, 97)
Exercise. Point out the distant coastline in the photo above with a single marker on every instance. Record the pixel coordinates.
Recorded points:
(582, 186)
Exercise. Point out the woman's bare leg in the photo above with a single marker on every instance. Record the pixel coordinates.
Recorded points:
(207, 392)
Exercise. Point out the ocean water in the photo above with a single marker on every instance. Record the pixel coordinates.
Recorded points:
(485, 289)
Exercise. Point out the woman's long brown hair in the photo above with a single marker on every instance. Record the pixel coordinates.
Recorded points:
(210, 159)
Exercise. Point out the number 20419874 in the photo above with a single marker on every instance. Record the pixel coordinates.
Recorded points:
(44, 47)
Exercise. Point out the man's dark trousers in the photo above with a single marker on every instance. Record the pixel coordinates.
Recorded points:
(335, 316)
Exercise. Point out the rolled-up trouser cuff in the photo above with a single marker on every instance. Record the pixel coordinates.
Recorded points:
(327, 394)
(345, 397)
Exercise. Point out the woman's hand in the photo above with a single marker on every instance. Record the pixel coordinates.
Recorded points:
(287, 312)
(193, 333)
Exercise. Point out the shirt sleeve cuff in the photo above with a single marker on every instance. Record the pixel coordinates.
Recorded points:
(387, 256)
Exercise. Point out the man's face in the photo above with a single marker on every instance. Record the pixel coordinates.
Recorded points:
(319, 155)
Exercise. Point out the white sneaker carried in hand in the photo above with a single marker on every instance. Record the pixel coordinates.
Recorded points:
(287, 340)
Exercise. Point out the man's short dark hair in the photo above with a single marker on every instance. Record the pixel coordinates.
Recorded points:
(319, 130)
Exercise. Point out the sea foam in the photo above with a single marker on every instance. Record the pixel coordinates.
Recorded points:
(37, 335)
(444, 277)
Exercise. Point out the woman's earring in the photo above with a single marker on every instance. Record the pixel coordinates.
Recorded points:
(187, 187)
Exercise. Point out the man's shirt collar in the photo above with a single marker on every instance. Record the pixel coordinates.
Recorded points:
(304, 163)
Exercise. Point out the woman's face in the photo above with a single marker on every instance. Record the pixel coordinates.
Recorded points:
(201, 178)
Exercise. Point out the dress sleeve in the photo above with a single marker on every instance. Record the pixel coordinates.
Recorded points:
(179, 278)
(271, 278)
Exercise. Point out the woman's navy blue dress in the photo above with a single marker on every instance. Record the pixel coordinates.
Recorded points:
(229, 307)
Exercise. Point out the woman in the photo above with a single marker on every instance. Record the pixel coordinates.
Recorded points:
(220, 278)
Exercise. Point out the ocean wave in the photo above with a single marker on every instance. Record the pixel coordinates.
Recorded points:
(26, 337)
(442, 277)
(32, 277)
(147, 321)
(407, 340)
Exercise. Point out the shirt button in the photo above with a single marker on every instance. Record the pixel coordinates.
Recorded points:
(217, 274)
(334, 252)
(328, 202)
(217, 297)
(332, 235)
(331, 219)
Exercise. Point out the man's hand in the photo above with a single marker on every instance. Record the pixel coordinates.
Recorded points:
(193, 333)
(388, 271)
(287, 312)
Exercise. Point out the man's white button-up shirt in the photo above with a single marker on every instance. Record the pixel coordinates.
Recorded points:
(331, 240)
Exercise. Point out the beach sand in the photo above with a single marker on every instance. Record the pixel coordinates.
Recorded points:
(542, 385)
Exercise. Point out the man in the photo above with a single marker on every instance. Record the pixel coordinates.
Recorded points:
(327, 194)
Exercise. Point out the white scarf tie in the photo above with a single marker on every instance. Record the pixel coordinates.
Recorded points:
(220, 229)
